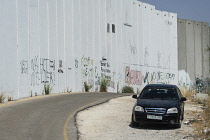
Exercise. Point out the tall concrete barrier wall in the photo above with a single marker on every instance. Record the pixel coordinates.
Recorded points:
(193, 51)
(65, 43)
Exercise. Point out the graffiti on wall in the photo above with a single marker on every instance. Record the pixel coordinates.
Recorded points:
(86, 67)
(76, 63)
(159, 60)
(97, 79)
(60, 66)
(105, 66)
(133, 49)
(146, 56)
(158, 77)
(106, 72)
(43, 71)
(24, 67)
(133, 77)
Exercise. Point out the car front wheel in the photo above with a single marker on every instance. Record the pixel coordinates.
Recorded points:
(179, 123)
(133, 123)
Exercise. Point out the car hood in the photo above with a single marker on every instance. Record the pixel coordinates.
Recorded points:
(151, 103)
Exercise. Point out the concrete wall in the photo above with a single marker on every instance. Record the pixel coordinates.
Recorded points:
(67, 42)
(193, 54)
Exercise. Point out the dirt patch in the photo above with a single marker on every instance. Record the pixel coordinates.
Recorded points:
(112, 121)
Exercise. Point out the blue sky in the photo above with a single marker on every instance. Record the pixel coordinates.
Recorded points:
(198, 10)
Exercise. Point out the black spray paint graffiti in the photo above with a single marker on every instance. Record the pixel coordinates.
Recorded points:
(43, 71)
(105, 66)
(76, 63)
(158, 77)
(97, 77)
(24, 67)
(35, 78)
(106, 72)
(133, 48)
(146, 56)
(60, 67)
(47, 69)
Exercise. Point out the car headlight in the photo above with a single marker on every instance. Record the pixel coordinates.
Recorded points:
(139, 109)
(172, 110)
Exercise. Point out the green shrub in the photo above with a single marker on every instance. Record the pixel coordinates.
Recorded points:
(127, 89)
(2, 98)
(103, 85)
(47, 89)
(87, 87)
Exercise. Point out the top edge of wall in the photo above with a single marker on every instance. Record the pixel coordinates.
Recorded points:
(180, 20)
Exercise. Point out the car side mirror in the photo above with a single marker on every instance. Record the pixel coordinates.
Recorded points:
(183, 99)
(134, 96)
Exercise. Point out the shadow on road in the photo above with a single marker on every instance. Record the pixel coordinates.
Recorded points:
(153, 127)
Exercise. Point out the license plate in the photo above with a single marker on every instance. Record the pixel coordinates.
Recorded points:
(153, 117)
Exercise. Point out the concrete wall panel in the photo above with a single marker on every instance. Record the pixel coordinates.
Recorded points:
(65, 43)
(190, 49)
(193, 54)
(198, 49)
(10, 67)
(205, 48)
(182, 65)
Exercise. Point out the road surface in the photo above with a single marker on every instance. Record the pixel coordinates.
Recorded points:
(46, 118)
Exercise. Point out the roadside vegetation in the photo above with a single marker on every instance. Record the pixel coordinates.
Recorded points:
(2, 98)
(127, 89)
(201, 119)
(202, 122)
(87, 87)
(47, 89)
(104, 85)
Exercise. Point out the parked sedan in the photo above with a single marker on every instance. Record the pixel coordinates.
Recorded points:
(159, 104)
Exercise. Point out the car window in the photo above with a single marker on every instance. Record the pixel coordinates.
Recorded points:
(159, 94)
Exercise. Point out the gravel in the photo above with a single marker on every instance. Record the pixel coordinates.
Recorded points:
(111, 121)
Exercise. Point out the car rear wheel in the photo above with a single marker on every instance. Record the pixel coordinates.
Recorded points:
(133, 123)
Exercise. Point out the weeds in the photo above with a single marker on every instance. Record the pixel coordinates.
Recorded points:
(201, 122)
(202, 125)
(2, 98)
(47, 89)
(103, 85)
(127, 89)
(9, 98)
(87, 87)
(189, 94)
(69, 90)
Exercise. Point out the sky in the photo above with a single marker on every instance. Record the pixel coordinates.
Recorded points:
(198, 10)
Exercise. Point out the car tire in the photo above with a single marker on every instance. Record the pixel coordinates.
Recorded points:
(133, 123)
(179, 123)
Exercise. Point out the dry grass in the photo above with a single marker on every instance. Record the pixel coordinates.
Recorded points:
(202, 123)
(2, 98)
(189, 94)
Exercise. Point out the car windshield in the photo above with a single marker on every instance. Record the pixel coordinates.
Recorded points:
(159, 93)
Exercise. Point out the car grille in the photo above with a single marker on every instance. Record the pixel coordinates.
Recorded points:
(156, 110)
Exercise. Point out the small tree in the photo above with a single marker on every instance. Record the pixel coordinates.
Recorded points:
(87, 87)
(47, 89)
(2, 98)
(103, 85)
(127, 89)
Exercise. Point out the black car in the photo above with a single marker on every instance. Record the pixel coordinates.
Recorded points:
(159, 104)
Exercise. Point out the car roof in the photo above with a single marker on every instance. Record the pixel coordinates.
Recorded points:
(161, 85)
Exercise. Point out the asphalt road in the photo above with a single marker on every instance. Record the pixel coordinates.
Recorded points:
(46, 118)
